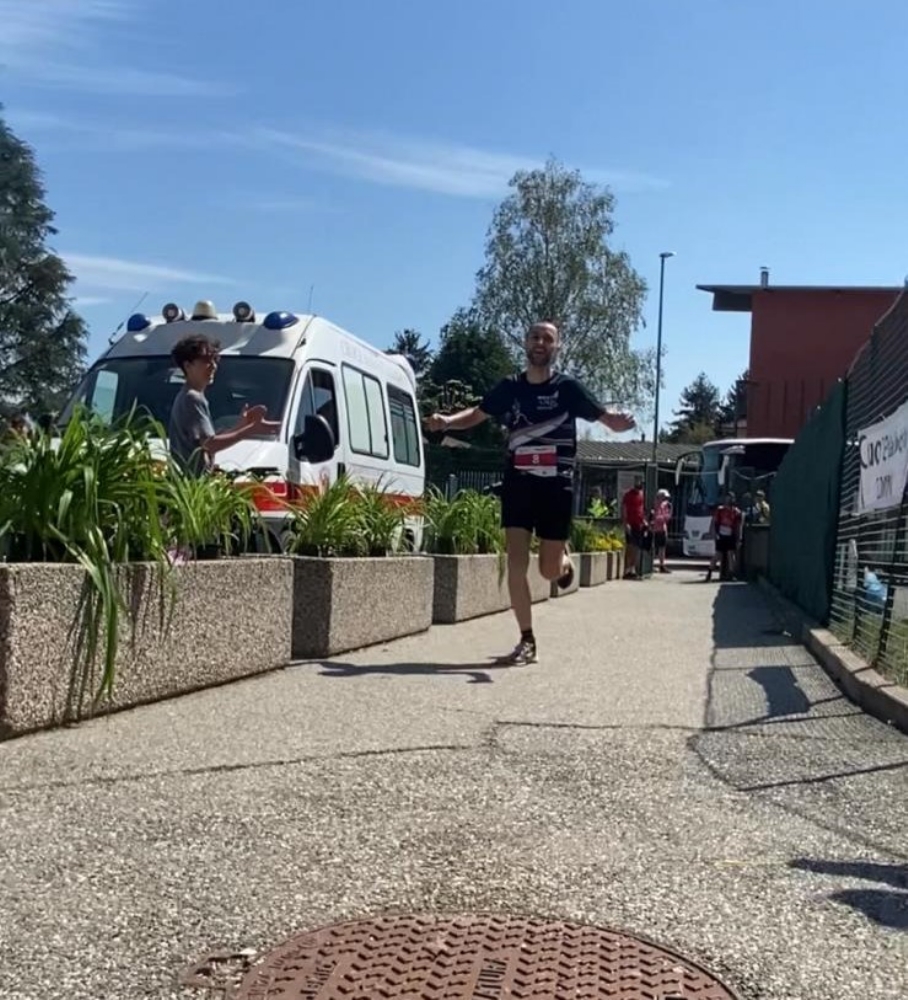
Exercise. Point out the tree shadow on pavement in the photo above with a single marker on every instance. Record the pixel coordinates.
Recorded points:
(476, 673)
(883, 906)
(742, 619)
(784, 695)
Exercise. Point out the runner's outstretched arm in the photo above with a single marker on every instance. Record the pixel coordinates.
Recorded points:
(585, 406)
(463, 421)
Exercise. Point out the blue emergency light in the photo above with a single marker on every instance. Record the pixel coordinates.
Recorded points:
(279, 320)
(138, 322)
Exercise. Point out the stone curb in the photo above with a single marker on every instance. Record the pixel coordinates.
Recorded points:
(866, 687)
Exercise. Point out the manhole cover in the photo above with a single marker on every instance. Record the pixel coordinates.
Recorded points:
(477, 957)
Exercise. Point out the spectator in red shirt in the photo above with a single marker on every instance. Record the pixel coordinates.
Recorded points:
(633, 509)
(727, 524)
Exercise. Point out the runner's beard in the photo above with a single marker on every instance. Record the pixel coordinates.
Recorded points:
(540, 358)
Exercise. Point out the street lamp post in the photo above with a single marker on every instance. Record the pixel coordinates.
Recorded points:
(663, 257)
(652, 476)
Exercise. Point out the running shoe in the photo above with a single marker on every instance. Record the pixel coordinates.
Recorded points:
(522, 654)
(567, 578)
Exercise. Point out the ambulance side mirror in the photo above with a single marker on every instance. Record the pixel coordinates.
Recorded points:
(316, 444)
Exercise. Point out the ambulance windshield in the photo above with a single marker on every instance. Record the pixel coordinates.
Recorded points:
(113, 386)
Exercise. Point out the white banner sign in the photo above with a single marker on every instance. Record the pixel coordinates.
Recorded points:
(884, 462)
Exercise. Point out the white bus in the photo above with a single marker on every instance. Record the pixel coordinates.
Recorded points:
(742, 465)
(344, 406)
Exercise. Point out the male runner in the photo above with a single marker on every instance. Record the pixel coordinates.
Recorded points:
(539, 407)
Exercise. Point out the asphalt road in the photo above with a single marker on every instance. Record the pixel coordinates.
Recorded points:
(675, 766)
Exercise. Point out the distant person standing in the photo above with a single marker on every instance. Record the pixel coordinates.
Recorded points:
(761, 508)
(662, 516)
(728, 522)
(633, 510)
(193, 440)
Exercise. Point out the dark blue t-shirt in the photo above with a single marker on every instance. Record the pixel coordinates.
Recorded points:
(541, 420)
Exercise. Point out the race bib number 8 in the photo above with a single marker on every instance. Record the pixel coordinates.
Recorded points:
(538, 460)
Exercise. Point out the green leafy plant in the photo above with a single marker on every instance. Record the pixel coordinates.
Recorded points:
(599, 509)
(94, 497)
(209, 515)
(616, 539)
(381, 521)
(104, 496)
(584, 536)
(328, 523)
(467, 524)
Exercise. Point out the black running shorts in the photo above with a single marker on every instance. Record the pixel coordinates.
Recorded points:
(726, 543)
(544, 505)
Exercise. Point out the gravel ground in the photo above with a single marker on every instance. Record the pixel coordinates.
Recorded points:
(676, 766)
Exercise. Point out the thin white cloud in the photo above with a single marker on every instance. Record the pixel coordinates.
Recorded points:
(71, 133)
(116, 274)
(451, 169)
(124, 80)
(33, 25)
(90, 301)
(53, 43)
(443, 168)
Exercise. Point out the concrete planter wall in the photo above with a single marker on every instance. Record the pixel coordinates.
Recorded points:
(619, 564)
(594, 568)
(344, 604)
(205, 624)
(468, 586)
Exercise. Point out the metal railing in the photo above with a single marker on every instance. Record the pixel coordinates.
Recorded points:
(482, 479)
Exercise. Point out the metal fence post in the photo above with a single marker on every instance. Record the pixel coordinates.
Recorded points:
(891, 576)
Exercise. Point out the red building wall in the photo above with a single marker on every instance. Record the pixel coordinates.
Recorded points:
(800, 343)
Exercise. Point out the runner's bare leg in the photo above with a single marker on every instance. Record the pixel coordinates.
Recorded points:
(518, 544)
(553, 559)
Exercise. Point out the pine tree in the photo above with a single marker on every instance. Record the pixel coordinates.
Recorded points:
(42, 341)
(411, 344)
(698, 413)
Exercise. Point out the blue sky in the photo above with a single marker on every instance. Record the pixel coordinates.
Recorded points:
(360, 148)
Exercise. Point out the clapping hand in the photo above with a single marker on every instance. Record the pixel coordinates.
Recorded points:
(253, 420)
(619, 422)
(252, 416)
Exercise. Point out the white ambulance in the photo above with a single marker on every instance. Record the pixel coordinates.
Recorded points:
(344, 405)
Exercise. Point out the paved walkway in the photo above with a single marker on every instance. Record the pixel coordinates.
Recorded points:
(675, 766)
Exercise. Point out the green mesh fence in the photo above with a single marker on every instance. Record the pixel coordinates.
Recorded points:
(869, 608)
(805, 510)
